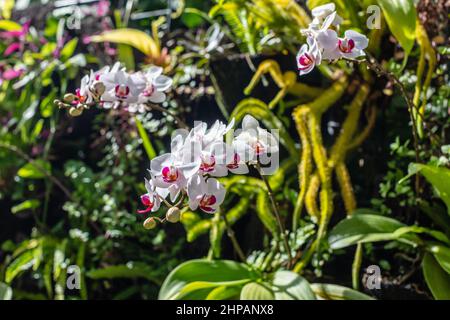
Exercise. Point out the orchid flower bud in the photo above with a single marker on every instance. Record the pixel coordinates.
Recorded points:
(150, 223)
(173, 215)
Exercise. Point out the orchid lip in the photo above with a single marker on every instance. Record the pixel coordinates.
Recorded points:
(208, 166)
(235, 163)
(206, 203)
(346, 46)
(122, 91)
(170, 174)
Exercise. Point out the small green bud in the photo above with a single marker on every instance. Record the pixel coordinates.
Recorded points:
(69, 97)
(75, 112)
(150, 223)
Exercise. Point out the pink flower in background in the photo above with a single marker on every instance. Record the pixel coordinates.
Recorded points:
(102, 8)
(13, 47)
(11, 74)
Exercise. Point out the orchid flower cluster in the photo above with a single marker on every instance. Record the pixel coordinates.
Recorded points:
(113, 87)
(324, 43)
(197, 158)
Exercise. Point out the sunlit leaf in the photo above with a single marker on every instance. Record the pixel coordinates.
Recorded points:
(288, 285)
(335, 292)
(401, 18)
(257, 291)
(26, 205)
(132, 37)
(36, 169)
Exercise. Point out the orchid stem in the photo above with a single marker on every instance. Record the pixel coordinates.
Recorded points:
(233, 239)
(277, 215)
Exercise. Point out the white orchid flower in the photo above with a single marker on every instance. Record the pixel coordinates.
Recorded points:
(351, 46)
(152, 199)
(308, 57)
(237, 153)
(170, 171)
(324, 16)
(121, 88)
(156, 84)
(258, 140)
(207, 195)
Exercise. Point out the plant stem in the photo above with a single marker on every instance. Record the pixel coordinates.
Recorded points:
(233, 239)
(277, 215)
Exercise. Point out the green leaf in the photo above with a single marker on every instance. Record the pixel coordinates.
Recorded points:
(442, 255)
(401, 18)
(68, 49)
(439, 178)
(132, 37)
(22, 263)
(257, 291)
(35, 169)
(224, 293)
(218, 271)
(130, 270)
(202, 285)
(9, 25)
(360, 228)
(288, 285)
(417, 229)
(437, 279)
(5, 291)
(26, 205)
(335, 292)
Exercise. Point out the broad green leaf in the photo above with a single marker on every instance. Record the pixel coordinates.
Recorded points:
(335, 292)
(132, 37)
(417, 229)
(36, 169)
(224, 293)
(401, 18)
(257, 291)
(26, 205)
(360, 228)
(68, 49)
(193, 287)
(437, 279)
(5, 291)
(439, 178)
(130, 270)
(288, 285)
(9, 25)
(442, 255)
(205, 271)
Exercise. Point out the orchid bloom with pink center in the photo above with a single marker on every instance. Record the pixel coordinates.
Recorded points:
(308, 57)
(152, 199)
(350, 47)
(171, 170)
(155, 85)
(121, 88)
(207, 195)
(258, 142)
(323, 39)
